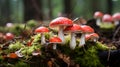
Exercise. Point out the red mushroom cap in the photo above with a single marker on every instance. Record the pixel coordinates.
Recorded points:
(55, 40)
(74, 28)
(9, 36)
(107, 18)
(61, 21)
(98, 14)
(116, 16)
(91, 36)
(41, 30)
(87, 29)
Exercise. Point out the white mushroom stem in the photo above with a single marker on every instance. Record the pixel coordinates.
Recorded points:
(42, 39)
(73, 41)
(98, 21)
(61, 34)
(82, 40)
(54, 46)
(95, 39)
(116, 22)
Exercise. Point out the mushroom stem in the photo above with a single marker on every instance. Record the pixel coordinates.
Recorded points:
(54, 46)
(82, 40)
(95, 40)
(60, 34)
(116, 22)
(73, 41)
(42, 38)
(98, 21)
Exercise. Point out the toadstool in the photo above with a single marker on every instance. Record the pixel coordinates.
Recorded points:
(54, 41)
(98, 15)
(116, 18)
(73, 29)
(107, 18)
(86, 30)
(9, 36)
(61, 22)
(92, 37)
(42, 30)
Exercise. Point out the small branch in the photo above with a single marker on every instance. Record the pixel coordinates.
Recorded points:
(117, 30)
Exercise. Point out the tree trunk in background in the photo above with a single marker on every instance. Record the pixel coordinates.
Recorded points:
(110, 6)
(68, 8)
(94, 4)
(4, 12)
(50, 9)
(33, 10)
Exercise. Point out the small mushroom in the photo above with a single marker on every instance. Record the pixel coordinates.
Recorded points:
(61, 23)
(55, 41)
(98, 15)
(107, 18)
(42, 30)
(73, 29)
(9, 24)
(116, 18)
(9, 36)
(86, 30)
(92, 37)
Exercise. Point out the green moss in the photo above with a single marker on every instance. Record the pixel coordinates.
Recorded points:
(48, 35)
(87, 58)
(21, 64)
(16, 46)
(37, 39)
(105, 25)
(32, 23)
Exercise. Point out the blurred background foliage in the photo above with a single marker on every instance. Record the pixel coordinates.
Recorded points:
(20, 11)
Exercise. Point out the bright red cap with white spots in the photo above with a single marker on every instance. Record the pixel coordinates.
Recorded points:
(91, 36)
(98, 14)
(55, 40)
(41, 30)
(107, 18)
(74, 28)
(9, 36)
(87, 29)
(61, 21)
(116, 16)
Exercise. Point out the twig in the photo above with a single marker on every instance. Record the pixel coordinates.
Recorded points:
(116, 32)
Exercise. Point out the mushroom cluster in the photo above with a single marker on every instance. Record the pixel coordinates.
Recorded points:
(106, 19)
(42, 30)
(65, 25)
